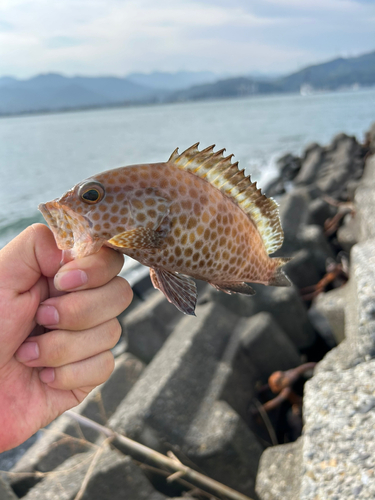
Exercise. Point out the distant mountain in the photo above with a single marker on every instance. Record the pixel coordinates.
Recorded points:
(53, 92)
(230, 87)
(334, 74)
(6, 80)
(173, 81)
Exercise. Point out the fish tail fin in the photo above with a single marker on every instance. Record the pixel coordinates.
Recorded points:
(278, 277)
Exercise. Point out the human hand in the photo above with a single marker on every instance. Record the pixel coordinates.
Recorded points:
(42, 375)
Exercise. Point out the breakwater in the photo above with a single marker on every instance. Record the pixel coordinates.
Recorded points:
(199, 387)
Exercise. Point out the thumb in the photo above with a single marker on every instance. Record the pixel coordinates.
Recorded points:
(24, 263)
(31, 254)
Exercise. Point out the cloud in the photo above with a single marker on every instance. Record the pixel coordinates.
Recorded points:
(237, 36)
(4, 26)
(58, 42)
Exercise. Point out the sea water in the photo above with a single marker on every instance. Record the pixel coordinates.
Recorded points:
(41, 156)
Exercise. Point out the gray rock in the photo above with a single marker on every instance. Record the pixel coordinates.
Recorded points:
(284, 303)
(293, 214)
(365, 203)
(311, 164)
(174, 384)
(6, 492)
(347, 234)
(175, 405)
(289, 311)
(322, 327)
(339, 434)
(259, 348)
(104, 400)
(332, 306)
(221, 444)
(64, 437)
(333, 167)
(309, 265)
(10, 457)
(60, 441)
(371, 138)
(289, 166)
(319, 211)
(279, 475)
(359, 344)
(265, 345)
(114, 477)
(149, 325)
(305, 269)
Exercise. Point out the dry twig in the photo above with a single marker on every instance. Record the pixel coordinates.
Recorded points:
(138, 449)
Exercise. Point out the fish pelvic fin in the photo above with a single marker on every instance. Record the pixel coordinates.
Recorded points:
(230, 288)
(279, 278)
(180, 290)
(222, 174)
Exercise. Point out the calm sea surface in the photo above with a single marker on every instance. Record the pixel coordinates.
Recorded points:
(41, 156)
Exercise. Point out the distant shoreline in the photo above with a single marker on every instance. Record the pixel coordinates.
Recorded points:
(135, 104)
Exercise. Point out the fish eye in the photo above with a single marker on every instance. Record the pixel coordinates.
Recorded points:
(91, 192)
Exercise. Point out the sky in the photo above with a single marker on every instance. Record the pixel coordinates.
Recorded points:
(233, 37)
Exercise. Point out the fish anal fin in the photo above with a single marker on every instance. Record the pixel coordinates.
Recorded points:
(279, 278)
(221, 173)
(140, 237)
(235, 287)
(180, 290)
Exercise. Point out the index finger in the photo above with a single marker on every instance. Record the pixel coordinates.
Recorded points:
(91, 271)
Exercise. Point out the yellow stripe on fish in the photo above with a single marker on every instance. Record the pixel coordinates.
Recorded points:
(195, 216)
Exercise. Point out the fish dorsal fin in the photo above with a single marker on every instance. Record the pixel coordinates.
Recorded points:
(220, 172)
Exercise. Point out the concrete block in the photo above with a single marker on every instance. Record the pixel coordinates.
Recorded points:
(64, 437)
(261, 348)
(173, 385)
(266, 346)
(6, 492)
(176, 403)
(149, 325)
(319, 211)
(359, 343)
(284, 303)
(221, 444)
(339, 434)
(114, 476)
(332, 306)
(294, 207)
(279, 474)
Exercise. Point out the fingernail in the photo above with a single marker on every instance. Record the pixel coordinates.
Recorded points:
(47, 315)
(47, 375)
(27, 352)
(69, 280)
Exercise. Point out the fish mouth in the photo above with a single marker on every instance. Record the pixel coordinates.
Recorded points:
(72, 231)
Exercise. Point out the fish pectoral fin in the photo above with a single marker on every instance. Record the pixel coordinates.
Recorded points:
(140, 237)
(239, 287)
(180, 290)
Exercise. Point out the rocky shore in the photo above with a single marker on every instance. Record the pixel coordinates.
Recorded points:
(201, 388)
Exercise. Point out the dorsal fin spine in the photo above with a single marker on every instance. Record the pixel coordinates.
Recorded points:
(232, 182)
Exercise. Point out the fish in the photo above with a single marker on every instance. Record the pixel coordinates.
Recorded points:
(196, 216)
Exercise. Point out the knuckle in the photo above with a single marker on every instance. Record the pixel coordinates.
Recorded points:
(53, 348)
(72, 310)
(123, 291)
(108, 364)
(114, 332)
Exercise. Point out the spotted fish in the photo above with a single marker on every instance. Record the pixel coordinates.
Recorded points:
(197, 215)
